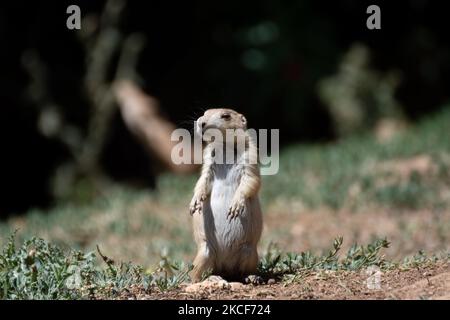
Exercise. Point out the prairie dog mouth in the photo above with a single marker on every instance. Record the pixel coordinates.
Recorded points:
(209, 126)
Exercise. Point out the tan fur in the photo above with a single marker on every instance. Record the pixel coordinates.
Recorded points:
(227, 219)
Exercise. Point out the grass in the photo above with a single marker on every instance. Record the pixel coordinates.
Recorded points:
(276, 264)
(39, 270)
(327, 175)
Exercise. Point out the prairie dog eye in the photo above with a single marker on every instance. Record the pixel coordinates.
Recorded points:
(226, 116)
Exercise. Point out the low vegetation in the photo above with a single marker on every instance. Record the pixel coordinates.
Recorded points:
(39, 270)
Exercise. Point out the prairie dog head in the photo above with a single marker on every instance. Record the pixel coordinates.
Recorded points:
(220, 120)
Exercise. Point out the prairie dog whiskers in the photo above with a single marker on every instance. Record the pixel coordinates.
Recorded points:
(227, 218)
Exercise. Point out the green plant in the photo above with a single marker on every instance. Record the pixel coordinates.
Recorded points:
(279, 265)
(39, 270)
(363, 256)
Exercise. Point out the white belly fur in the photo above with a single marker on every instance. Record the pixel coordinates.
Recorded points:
(226, 237)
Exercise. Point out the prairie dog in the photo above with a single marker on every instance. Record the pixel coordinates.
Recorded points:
(227, 219)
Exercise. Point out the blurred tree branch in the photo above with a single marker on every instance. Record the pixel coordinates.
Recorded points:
(141, 115)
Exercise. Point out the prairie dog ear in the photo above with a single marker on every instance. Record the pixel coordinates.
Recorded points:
(244, 120)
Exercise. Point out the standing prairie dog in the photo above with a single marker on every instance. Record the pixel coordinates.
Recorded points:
(227, 219)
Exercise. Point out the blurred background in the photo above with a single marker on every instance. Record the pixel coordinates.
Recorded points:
(362, 116)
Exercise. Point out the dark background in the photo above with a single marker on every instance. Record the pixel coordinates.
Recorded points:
(196, 57)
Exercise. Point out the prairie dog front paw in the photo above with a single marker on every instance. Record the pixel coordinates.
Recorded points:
(197, 204)
(236, 208)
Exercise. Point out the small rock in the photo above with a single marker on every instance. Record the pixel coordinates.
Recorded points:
(271, 281)
(234, 286)
(210, 284)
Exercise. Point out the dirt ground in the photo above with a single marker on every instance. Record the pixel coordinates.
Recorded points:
(430, 282)
(297, 229)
